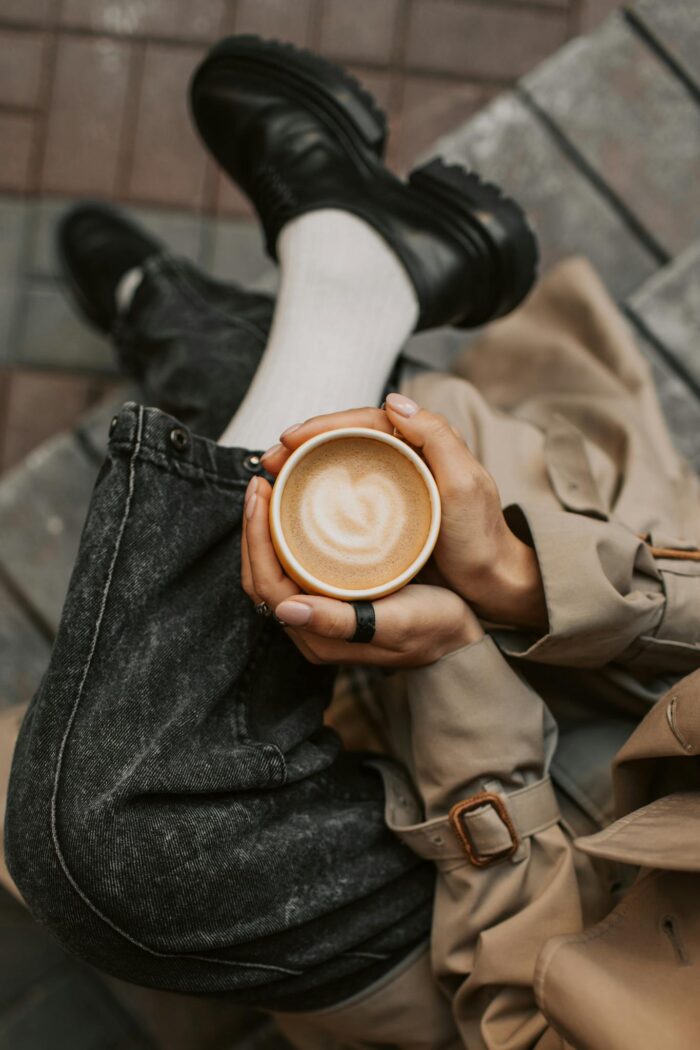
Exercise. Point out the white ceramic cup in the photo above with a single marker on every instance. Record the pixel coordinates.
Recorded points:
(312, 584)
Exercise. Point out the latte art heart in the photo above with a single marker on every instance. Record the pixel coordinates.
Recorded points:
(358, 520)
(355, 513)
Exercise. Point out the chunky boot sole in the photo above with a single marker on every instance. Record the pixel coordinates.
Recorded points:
(474, 210)
(331, 92)
(467, 249)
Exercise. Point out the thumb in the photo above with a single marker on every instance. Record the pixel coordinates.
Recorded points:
(443, 448)
(325, 617)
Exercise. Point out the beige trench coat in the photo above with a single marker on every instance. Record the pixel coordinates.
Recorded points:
(531, 945)
(538, 941)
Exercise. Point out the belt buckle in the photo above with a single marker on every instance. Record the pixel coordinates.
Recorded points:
(459, 825)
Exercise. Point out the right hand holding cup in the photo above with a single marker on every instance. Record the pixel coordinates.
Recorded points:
(476, 554)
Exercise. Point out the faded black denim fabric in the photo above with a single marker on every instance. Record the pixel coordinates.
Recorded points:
(178, 815)
(192, 343)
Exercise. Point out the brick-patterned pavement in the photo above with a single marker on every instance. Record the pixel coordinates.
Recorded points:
(93, 103)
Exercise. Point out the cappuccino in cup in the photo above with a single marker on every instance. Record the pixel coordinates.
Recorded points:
(354, 514)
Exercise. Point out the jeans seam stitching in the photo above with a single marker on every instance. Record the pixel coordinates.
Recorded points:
(59, 762)
(181, 468)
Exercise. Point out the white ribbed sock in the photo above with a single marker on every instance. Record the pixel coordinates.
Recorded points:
(125, 290)
(344, 309)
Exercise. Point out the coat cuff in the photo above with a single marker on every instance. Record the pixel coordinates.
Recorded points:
(474, 722)
(675, 644)
(603, 590)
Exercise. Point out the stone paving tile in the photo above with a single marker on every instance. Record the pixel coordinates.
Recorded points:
(633, 121)
(229, 199)
(432, 106)
(288, 20)
(505, 143)
(31, 12)
(88, 101)
(51, 334)
(24, 655)
(40, 259)
(379, 83)
(481, 39)
(13, 219)
(669, 306)
(42, 404)
(21, 58)
(8, 305)
(17, 136)
(236, 252)
(93, 430)
(181, 232)
(363, 31)
(676, 27)
(593, 12)
(5, 382)
(168, 163)
(182, 19)
(42, 509)
(680, 405)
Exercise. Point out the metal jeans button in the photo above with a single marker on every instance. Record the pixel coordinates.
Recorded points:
(179, 439)
(252, 463)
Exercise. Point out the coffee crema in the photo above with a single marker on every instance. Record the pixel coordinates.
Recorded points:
(355, 513)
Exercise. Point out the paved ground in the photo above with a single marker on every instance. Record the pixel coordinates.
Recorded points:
(92, 102)
(600, 143)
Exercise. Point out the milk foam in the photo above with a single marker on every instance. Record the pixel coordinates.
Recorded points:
(355, 512)
(357, 519)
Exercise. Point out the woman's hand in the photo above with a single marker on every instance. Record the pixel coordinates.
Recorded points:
(476, 555)
(414, 627)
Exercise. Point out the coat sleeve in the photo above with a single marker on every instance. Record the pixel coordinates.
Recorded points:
(608, 597)
(476, 727)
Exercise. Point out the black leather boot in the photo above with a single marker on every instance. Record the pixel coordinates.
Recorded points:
(96, 246)
(297, 134)
(191, 343)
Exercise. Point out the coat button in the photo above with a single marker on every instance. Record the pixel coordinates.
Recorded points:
(113, 424)
(252, 463)
(179, 439)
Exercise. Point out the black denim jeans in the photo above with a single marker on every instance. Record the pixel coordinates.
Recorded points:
(178, 814)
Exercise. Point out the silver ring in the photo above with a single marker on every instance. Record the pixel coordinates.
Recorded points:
(263, 609)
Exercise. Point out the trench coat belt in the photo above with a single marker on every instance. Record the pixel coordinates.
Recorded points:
(487, 828)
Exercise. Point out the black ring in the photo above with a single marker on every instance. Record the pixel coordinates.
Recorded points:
(263, 609)
(366, 623)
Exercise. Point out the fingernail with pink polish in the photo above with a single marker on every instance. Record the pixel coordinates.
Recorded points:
(250, 506)
(252, 485)
(272, 451)
(294, 614)
(401, 404)
(289, 430)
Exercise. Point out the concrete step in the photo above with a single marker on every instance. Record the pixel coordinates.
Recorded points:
(665, 314)
(673, 28)
(667, 307)
(631, 122)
